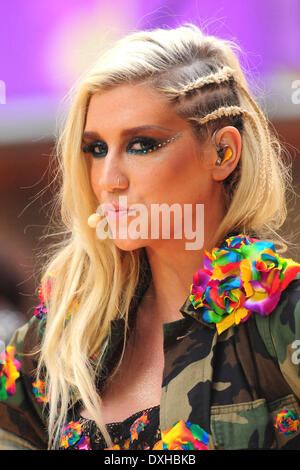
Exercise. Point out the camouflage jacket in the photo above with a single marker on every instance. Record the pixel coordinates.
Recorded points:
(234, 385)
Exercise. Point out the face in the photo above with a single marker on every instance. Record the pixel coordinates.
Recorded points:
(123, 121)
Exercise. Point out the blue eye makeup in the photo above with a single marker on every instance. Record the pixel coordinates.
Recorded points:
(145, 145)
(97, 149)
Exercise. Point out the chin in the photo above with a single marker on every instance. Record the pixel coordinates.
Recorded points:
(123, 234)
(129, 244)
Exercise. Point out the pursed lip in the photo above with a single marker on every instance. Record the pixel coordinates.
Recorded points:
(113, 210)
(112, 207)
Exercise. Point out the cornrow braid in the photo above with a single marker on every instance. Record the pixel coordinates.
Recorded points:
(223, 75)
(219, 113)
(227, 74)
(266, 129)
(262, 162)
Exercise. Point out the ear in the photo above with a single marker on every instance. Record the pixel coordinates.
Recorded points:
(226, 136)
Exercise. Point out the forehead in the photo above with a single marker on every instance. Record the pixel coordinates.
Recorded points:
(134, 104)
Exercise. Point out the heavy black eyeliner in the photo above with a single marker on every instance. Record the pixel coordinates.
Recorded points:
(143, 140)
(149, 141)
(89, 148)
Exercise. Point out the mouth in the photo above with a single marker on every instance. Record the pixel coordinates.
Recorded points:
(114, 211)
(114, 215)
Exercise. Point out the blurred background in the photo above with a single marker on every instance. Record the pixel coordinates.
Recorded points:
(45, 46)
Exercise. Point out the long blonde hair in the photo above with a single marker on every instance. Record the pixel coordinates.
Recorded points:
(201, 77)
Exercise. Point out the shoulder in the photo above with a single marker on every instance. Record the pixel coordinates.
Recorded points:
(285, 322)
(19, 359)
(247, 277)
(286, 316)
(22, 396)
(280, 332)
(24, 347)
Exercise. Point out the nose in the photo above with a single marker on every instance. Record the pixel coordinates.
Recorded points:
(110, 176)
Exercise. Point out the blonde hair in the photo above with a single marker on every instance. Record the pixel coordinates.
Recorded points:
(201, 77)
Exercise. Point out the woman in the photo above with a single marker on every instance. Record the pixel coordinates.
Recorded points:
(141, 343)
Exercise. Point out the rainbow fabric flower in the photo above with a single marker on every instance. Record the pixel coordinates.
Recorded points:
(287, 422)
(135, 429)
(84, 443)
(118, 447)
(44, 293)
(9, 372)
(183, 436)
(138, 426)
(244, 277)
(115, 447)
(44, 290)
(40, 391)
(71, 433)
(40, 311)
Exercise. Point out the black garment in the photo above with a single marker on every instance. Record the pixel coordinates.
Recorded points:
(121, 432)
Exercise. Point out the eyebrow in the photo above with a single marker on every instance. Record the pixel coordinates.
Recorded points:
(132, 130)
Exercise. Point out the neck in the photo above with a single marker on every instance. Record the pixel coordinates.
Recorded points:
(172, 268)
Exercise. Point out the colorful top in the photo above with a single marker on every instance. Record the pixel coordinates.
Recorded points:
(231, 378)
(139, 431)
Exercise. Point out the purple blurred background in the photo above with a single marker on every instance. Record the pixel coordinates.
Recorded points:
(44, 47)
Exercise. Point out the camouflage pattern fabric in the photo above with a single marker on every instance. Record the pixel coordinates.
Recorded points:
(21, 413)
(233, 385)
(230, 384)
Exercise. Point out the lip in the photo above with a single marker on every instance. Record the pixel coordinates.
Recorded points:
(117, 214)
(113, 207)
(113, 211)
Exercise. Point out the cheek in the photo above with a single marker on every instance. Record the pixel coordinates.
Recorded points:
(181, 175)
(182, 165)
(94, 172)
(93, 179)
(169, 171)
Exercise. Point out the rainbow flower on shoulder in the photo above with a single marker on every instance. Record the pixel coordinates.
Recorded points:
(246, 276)
(9, 372)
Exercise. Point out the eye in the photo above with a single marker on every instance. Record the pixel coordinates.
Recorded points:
(97, 149)
(142, 145)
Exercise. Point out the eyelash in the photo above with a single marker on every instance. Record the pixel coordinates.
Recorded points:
(149, 142)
